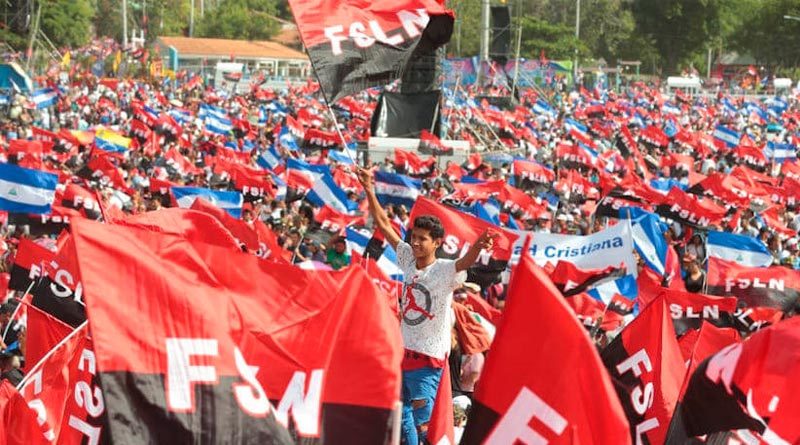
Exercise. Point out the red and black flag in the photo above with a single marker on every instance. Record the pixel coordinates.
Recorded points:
(528, 174)
(776, 287)
(688, 209)
(409, 163)
(462, 230)
(44, 332)
(82, 200)
(29, 264)
(223, 347)
(430, 144)
(645, 363)
(60, 292)
(747, 386)
(357, 45)
(751, 319)
(63, 391)
(616, 199)
(315, 139)
(699, 344)
(689, 309)
(534, 397)
(571, 280)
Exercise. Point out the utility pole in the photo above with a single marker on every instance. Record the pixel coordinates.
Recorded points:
(202, 8)
(485, 35)
(125, 23)
(191, 19)
(577, 37)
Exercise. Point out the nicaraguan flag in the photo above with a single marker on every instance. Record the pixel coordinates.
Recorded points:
(346, 156)
(780, 152)
(726, 135)
(23, 190)
(648, 238)
(108, 140)
(670, 109)
(231, 202)
(745, 250)
(728, 107)
(45, 97)
(570, 124)
(357, 241)
(392, 188)
(542, 107)
(324, 191)
(216, 119)
(280, 195)
(625, 286)
(181, 116)
(286, 139)
(269, 159)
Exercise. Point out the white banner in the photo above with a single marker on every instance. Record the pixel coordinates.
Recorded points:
(610, 247)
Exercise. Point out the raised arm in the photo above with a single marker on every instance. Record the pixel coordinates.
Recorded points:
(485, 241)
(375, 209)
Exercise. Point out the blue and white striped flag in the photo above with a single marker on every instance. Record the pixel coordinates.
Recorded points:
(269, 158)
(745, 250)
(24, 190)
(231, 202)
(392, 188)
(780, 152)
(730, 137)
(45, 97)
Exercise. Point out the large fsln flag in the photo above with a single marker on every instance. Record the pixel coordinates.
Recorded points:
(23, 190)
(355, 45)
(223, 347)
(555, 392)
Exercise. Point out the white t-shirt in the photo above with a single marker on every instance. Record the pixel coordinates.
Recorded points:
(425, 306)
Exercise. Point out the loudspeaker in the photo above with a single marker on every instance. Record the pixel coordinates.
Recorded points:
(501, 34)
(404, 115)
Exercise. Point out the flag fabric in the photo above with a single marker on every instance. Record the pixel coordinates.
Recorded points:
(391, 188)
(618, 295)
(323, 189)
(686, 209)
(412, 164)
(24, 190)
(648, 237)
(689, 309)
(29, 264)
(110, 141)
(748, 386)
(727, 136)
(646, 366)
(363, 243)
(780, 153)
(207, 372)
(45, 97)
(63, 389)
(571, 280)
(776, 286)
(440, 426)
(742, 249)
(60, 291)
(357, 46)
(699, 344)
(19, 423)
(231, 202)
(515, 388)
(43, 333)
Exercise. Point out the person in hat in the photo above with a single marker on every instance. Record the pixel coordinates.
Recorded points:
(427, 296)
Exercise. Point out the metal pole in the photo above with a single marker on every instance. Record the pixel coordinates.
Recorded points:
(191, 19)
(125, 23)
(577, 37)
(485, 36)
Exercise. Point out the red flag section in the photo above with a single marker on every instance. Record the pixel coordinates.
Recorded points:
(440, 427)
(699, 344)
(216, 335)
(412, 164)
(18, 423)
(555, 392)
(687, 209)
(747, 386)
(354, 46)
(44, 332)
(571, 280)
(645, 363)
(776, 287)
(28, 265)
(63, 393)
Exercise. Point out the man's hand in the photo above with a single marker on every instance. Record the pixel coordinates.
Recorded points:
(365, 178)
(486, 240)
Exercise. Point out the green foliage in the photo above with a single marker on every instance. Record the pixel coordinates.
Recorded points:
(67, 22)
(558, 41)
(241, 19)
(677, 28)
(767, 35)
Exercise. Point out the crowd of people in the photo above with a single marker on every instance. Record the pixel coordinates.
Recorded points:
(580, 140)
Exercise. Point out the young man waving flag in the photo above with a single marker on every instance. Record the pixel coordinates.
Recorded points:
(425, 307)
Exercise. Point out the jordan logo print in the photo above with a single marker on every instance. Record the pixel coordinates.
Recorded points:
(413, 305)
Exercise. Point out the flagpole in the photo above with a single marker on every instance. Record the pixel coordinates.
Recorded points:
(5, 331)
(36, 367)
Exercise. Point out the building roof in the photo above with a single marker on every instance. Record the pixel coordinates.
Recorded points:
(734, 58)
(248, 49)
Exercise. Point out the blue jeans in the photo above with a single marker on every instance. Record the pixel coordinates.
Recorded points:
(419, 393)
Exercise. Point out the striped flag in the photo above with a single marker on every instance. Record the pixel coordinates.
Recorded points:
(108, 140)
(745, 250)
(24, 190)
(231, 202)
(392, 188)
(45, 97)
(729, 137)
(269, 158)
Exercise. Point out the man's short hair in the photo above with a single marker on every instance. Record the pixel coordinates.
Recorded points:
(430, 223)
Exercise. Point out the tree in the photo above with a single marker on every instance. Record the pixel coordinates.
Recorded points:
(677, 29)
(558, 41)
(241, 19)
(766, 35)
(67, 22)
